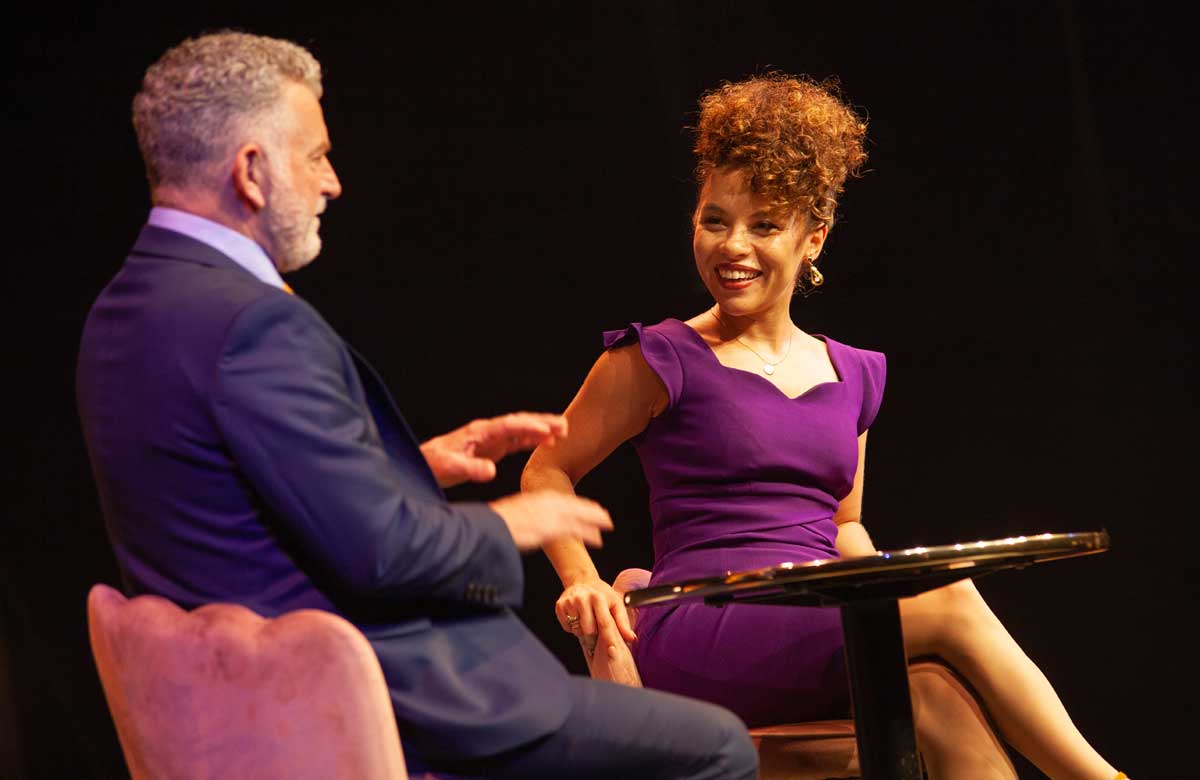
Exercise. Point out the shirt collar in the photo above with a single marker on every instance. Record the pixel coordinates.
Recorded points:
(239, 248)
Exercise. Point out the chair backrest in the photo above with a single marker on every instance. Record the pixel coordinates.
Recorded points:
(220, 692)
(631, 579)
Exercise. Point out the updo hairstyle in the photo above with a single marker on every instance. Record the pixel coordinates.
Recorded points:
(795, 139)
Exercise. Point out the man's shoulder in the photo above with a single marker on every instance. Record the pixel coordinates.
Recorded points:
(194, 300)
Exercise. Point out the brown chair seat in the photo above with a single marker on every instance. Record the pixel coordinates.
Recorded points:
(814, 750)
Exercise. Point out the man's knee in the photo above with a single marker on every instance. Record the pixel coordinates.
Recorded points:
(735, 757)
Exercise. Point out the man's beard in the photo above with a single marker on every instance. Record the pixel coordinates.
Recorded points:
(292, 229)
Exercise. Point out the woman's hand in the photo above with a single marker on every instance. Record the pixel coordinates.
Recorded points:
(596, 614)
(589, 609)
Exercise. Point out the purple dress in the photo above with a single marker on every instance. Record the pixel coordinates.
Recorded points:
(741, 477)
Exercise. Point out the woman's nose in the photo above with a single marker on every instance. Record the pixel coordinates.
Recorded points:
(736, 243)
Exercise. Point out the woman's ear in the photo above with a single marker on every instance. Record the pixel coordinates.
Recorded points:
(249, 175)
(815, 241)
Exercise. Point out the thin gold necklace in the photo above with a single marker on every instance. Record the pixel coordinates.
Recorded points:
(768, 366)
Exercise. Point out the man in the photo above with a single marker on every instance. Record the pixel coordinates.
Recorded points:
(244, 453)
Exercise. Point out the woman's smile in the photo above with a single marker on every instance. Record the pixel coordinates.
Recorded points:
(734, 276)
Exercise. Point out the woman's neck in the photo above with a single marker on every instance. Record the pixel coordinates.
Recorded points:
(773, 329)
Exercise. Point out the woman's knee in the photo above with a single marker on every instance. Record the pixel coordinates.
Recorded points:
(942, 618)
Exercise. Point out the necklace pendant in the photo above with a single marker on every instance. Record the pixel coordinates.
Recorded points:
(768, 369)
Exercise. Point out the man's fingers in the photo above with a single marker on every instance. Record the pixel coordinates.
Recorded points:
(590, 513)
(536, 423)
(590, 520)
(535, 518)
(591, 538)
(477, 469)
(524, 429)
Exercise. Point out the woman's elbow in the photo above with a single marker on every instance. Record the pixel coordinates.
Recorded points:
(543, 471)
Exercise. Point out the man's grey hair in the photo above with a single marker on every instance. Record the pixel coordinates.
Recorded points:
(200, 95)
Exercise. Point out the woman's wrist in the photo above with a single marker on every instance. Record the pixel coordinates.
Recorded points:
(581, 577)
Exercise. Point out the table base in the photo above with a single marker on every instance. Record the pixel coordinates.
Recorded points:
(878, 669)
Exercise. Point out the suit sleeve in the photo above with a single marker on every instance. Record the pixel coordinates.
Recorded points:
(310, 450)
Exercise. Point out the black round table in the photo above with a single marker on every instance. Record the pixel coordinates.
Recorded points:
(867, 588)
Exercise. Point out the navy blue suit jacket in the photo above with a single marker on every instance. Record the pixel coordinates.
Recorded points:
(243, 453)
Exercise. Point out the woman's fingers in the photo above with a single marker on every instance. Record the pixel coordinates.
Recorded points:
(567, 613)
(588, 611)
(575, 614)
(587, 616)
(621, 618)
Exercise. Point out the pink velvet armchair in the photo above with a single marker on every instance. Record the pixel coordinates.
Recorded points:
(220, 692)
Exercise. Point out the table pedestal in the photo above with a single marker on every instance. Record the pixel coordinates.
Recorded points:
(878, 669)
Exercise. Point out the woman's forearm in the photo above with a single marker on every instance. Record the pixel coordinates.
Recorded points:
(569, 557)
(852, 540)
(571, 561)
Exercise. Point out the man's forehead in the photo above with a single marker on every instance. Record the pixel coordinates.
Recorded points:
(305, 118)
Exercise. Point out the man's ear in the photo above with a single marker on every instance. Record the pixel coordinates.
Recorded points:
(250, 175)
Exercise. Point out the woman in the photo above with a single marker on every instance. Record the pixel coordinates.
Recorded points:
(752, 434)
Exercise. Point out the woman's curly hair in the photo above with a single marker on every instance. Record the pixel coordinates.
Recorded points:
(796, 140)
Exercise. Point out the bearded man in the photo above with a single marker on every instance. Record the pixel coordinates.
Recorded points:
(244, 453)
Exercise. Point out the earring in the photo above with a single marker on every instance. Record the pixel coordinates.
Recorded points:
(815, 277)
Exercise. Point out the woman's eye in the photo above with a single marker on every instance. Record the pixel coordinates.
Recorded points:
(710, 221)
(766, 227)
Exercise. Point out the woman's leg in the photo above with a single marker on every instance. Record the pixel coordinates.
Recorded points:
(955, 624)
(953, 733)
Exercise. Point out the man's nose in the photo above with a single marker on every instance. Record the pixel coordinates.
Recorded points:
(330, 186)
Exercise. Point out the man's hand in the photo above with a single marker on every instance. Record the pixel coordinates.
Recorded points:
(469, 453)
(541, 516)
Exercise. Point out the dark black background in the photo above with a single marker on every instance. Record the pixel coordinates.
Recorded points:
(517, 179)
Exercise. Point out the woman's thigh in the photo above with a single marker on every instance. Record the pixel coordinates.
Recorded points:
(768, 664)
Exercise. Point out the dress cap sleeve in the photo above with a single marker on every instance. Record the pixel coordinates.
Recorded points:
(657, 351)
(874, 375)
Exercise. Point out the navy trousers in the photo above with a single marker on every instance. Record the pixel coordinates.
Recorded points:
(615, 731)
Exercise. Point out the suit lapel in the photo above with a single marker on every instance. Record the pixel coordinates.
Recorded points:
(398, 438)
